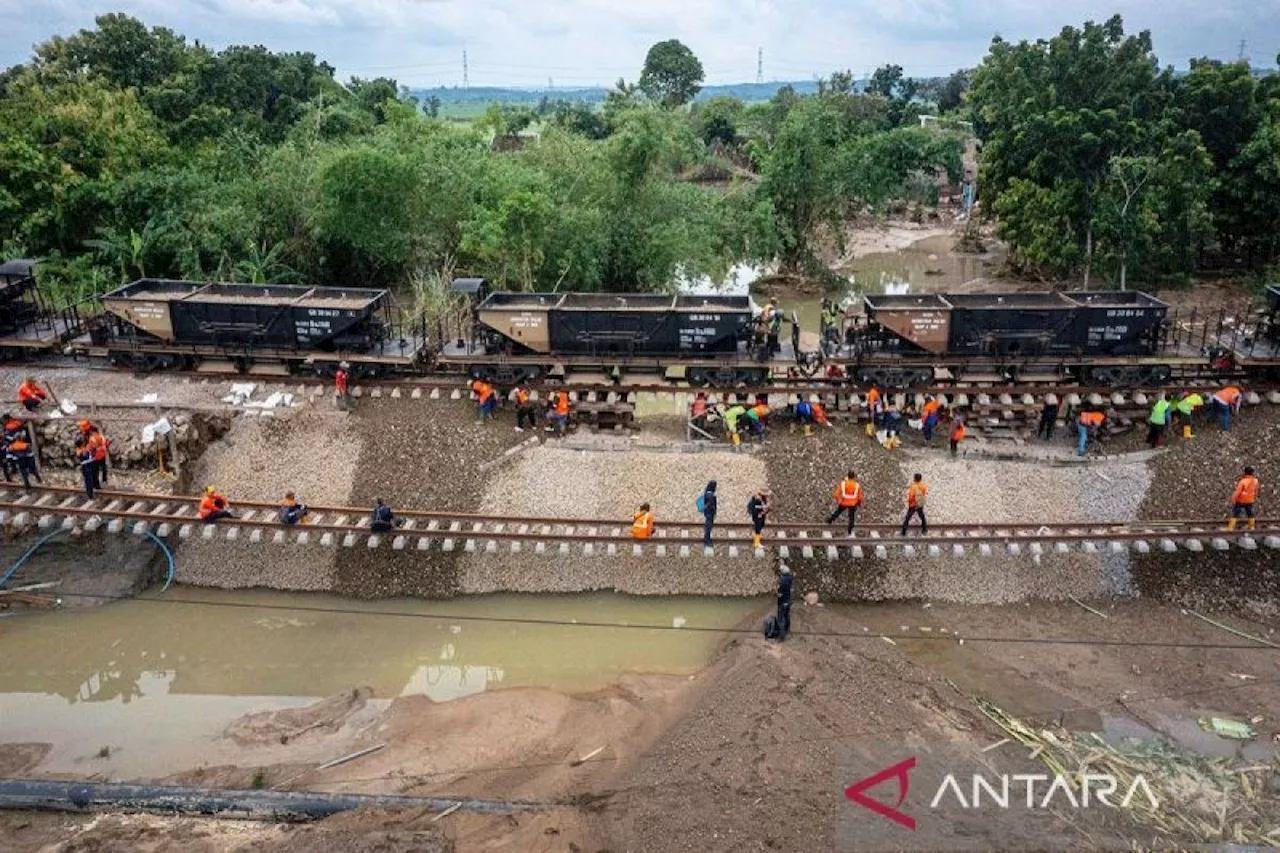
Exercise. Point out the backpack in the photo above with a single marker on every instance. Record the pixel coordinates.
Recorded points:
(701, 502)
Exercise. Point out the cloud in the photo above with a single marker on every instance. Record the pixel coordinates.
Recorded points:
(584, 42)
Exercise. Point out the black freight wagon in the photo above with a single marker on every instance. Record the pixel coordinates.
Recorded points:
(254, 316)
(1116, 322)
(619, 325)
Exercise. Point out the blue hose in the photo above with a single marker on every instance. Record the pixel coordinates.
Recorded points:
(43, 539)
(168, 556)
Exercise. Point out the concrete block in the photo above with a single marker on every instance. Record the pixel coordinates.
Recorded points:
(373, 542)
(68, 523)
(1006, 400)
(1015, 549)
(733, 552)
(1273, 397)
(44, 522)
(1219, 544)
(1028, 400)
(304, 537)
(611, 551)
(1168, 546)
(1252, 398)
(1062, 547)
(1272, 542)
(1248, 543)
(660, 550)
(349, 540)
(469, 546)
(206, 532)
(935, 551)
(856, 552)
(233, 533)
(1073, 400)
(1119, 546)
(784, 551)
(326, 539)
(684, 550)
(1139, 399)
(908, 550)
(1089, 547)
(376, 392)
(984, 399)
(395, 393)
(1117, 399)
(455, 394)
(1095, 399)
(1194, 545)
(1142, 546)
(957, 550)
(449, 544)
(984, 548)
(882, 552)
(399, 542)
(424, 543)
(637, 551)
(1036, 549)
(491, 547)
(832, 552)
(564, 549)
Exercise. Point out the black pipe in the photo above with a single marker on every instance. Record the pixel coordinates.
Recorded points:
(48, 795)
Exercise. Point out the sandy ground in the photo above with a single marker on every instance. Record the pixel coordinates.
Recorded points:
(754, 752)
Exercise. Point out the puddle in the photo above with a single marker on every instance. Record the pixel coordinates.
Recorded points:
(158, 680)
(1186, 733)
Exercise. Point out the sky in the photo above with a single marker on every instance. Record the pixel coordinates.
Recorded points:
(577, 43)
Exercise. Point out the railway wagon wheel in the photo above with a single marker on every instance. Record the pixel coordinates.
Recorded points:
(1129, 375)
(507, 374)
(896, 377)
(143, 362)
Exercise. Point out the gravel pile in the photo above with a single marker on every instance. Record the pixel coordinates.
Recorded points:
(309, 451)
(1194, 480)
(804, 473)
(422, 456)
(556, 482)
(86, 385)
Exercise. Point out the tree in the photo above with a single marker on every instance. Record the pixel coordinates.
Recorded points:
(432, 107)
(717, 119)
(951, 94)
(885, 81)
(372, 94)
(672, 75)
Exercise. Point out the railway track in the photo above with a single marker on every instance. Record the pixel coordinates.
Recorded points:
(50, 508)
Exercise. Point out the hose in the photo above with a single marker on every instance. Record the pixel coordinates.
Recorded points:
(168, 555)
(253, 804)
(4, 579)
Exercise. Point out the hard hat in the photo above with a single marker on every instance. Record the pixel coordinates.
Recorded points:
(343, 365)
(85, 426)
(208, 490)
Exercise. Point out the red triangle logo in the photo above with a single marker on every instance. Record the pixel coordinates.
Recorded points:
(900, 771)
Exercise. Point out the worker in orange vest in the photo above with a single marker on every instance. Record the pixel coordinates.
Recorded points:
(558, 414)
(213, 506)
(14, 430)
(848, 498)
(293, 511)
(1087, 424)
(1226, 403)
(98, 446)
(23, 457)
(487, 396)
(88, 467)
(916, 494)
(957, 433)
(873, 408)
(929, 417)
(31, 395)
(524, 409)
(1244, 498)
(642, 523)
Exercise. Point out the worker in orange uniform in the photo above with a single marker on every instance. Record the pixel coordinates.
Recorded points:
(820, 415)
(916, 494)
(929, 417)
(98, 446)
(873, 408)
(848, 498)
(31, 395)
(341, 390)
(23, 457)
(642, 523)
(558, 414)
(14, 430)
(1243, 499)
(1087, 425)
(487, 397)
(957, 433)
(756, 417)
(1226, 403)
(213, 506)
(524, 409)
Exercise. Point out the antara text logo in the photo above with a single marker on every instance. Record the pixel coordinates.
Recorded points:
(1004, 791)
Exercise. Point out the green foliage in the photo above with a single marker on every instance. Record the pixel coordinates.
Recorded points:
(717, 120)
(672, 75)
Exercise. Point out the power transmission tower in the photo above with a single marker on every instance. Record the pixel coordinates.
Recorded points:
(759, 64)
(466, 82)
(1240, 55)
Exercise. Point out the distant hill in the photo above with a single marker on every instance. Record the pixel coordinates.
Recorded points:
(456, 95)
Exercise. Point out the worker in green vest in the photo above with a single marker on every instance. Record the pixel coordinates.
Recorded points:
(1158, 421)
(1186, 405)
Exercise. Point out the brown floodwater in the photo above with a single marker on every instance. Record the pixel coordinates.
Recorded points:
(158, 678)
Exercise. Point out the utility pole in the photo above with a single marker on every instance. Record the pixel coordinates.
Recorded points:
(759, 64)
(466, 82)
(1240, 55)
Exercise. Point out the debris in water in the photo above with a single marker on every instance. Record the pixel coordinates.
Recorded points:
(1223, 727)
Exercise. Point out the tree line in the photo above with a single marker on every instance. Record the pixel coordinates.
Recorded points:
(1100, 165)
(131, 152)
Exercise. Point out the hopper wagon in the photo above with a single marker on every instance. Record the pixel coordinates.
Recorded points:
(524, 336)
(1103, 336)
(156, 323)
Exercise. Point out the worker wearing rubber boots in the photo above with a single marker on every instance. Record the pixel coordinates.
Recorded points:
(558, 414)
(804, 416)
(23, 455)
(524, 409)
(1244, 499)
(916, 494)
(732, 417)
(31, 395)
(929, 417)
(873, 409)
(758, 509)
(642, 523)
(1188, 404)
(848, 498)
(99, 446)
(1087, 426)
(1225, 404)
(88, 467)
(957, 434)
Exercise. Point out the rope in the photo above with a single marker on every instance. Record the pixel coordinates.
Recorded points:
(43, 539)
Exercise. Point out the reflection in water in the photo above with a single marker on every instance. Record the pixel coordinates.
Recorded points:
(162, 675)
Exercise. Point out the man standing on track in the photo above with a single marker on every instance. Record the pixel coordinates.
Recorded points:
(916, 493)
(1048, 417)
(1243, 499)
(758, 509)
(341, 392)
(848, 498)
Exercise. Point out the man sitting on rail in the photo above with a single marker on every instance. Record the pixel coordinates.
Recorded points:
(382, 519)
(214, 506)
(291, 510)
(642, 523)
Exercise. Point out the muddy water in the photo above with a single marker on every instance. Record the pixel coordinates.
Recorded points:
(157, 679)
